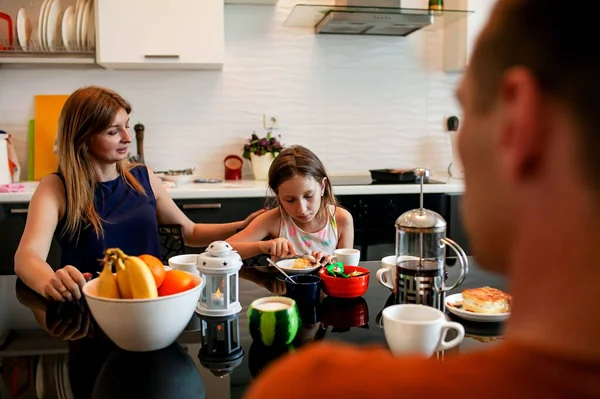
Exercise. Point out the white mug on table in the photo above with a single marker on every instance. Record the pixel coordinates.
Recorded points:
(418, 330)
(348, 256)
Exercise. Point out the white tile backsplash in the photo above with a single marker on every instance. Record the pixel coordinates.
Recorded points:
(359, 102)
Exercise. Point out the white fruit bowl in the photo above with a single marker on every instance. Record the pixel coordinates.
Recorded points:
(143, 325)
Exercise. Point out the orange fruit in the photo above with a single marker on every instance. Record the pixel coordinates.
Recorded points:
(176, 281)
(156, 267)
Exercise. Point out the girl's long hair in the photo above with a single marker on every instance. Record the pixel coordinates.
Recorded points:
(297, 160)
(86, 113)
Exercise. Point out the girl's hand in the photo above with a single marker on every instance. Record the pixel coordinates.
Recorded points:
(323, 258)
(279, 247)
(65, 284)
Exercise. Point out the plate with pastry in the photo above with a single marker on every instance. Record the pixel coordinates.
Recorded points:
(297, 266)
(484, 304)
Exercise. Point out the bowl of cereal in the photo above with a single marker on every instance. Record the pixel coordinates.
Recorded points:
(297, 266)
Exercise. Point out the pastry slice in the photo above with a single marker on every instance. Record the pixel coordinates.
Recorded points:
(486, 300)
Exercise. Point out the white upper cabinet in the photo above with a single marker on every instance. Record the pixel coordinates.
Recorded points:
(460, 37)
(167, 34)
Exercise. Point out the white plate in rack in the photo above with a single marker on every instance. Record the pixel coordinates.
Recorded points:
(54, 31)
(45, 27)
(24, 29)
(85, 22)
(41, 32)
(454, 306)
(79, 23)
(68, 29)
(91, 28)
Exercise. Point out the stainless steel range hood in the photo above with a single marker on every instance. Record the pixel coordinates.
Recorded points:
(369, 17)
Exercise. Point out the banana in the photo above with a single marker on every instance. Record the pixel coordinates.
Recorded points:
(107, 284)
(140, 278)
(123, 280)
(134, 276)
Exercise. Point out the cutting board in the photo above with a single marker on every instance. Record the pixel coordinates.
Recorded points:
(46, 112)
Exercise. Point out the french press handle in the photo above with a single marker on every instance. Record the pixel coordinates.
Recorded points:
(464, 266)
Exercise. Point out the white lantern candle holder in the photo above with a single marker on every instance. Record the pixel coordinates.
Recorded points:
(219, 267)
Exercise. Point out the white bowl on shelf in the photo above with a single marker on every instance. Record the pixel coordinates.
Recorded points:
(143, 325)
(178, 179)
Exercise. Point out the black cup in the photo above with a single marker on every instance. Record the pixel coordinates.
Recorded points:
(306, 290)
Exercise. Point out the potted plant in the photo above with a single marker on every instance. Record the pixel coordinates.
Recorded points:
(261, 152)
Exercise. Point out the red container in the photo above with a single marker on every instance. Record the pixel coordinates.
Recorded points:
(233, 167)
(339, 287)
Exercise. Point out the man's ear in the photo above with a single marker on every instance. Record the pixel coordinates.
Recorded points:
(522, 133)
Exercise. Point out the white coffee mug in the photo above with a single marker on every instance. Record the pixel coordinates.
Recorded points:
(386, 276)
(348, 256)
(418, 330)
(186, 262)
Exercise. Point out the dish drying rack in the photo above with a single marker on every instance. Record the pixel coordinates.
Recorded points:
(34, 51)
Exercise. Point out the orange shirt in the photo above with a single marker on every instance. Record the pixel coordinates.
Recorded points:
(505, 371)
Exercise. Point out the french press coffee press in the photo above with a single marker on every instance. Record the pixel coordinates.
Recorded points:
(421, 256)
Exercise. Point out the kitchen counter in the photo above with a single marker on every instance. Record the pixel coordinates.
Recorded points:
(258, 189)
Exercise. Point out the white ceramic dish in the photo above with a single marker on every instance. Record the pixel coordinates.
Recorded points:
(78, 24)
(53, 28)
(91, 28)
(24, 29)
(286, 266)
(45, 25)
(453, 300)
(68, 29)
(179, 179)
(84, 25)
(142, 325)
(41, 36)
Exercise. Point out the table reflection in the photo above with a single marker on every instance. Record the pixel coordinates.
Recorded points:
(221, 350)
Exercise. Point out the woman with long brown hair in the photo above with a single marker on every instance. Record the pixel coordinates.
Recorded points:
(98, 200)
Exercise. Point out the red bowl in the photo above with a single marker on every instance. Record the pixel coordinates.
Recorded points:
(340, 287)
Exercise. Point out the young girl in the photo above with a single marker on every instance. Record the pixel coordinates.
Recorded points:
(307, 220)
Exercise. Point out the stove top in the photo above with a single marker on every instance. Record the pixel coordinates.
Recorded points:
(367, 181)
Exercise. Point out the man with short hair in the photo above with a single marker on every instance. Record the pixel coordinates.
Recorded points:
(529, 145)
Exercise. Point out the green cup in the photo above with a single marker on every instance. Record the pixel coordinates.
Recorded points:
(274, 320)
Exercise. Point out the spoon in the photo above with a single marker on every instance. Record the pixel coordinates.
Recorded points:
(278, 268)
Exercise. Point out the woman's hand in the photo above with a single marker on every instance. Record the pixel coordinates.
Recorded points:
(279, 247)
(252, 216)
(323, 258)
(65, 284)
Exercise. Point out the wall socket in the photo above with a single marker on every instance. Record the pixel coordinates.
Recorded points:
(270, 122)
